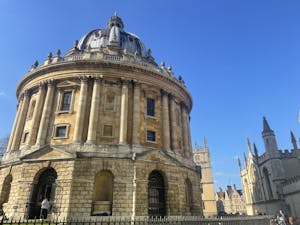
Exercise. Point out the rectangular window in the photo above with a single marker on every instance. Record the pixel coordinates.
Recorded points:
(61, 131)
(66, 101)
(107, 130)
(150, 107)
(151, 136)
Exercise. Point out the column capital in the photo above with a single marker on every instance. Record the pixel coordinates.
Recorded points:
(41, 85)
(124, 81)
(163, 92)
(83, 79)
(136, 84)
(171, 96)
(98, 78)
(183, 105)
(50, 83)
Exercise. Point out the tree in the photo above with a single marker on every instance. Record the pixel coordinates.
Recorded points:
(3, 145)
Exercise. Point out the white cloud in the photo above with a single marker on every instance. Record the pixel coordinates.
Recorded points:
(2, 93)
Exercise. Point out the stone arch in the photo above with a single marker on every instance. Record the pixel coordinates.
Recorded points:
(156, 194)
(102, 198)
(268, 182)
(5, 191)
(189, 196)
(43, 187)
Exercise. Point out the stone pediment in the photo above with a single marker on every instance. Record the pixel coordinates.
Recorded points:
(47, 154)
(66, 83)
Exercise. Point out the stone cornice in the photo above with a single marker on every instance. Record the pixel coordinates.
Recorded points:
(95, 67)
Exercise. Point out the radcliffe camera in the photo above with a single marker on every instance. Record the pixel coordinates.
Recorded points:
(150, 113)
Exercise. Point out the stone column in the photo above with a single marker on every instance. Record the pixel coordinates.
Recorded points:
(165, 121)
(184, 128)
(36, 118)
(21, 122)
(45, 119)
(78, 130)
(136, 114)
(189, 134)
(173, 122)
(94, 113)
(12, 134)
(124, 112)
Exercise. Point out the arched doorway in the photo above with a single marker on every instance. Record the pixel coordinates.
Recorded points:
(44, 188)
(156, 194)
(5, 191)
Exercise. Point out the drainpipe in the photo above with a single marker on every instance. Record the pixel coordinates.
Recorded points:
(134, 189)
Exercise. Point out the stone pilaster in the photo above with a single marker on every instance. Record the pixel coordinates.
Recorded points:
(21, 122)
(12, 134)
(124, 112)
(165, 121)
(78, 130)
(45, 119)
(136, 114)
(184, 128)
(173, 122)
(94, 117)
(36, 118)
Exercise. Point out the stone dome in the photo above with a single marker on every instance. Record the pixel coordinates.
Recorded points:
(114, 36)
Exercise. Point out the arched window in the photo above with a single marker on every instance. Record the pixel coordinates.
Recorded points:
(156, 194)
(189, 195)
(103, 193)
(6, 186)
(43, 188)
(268, 182)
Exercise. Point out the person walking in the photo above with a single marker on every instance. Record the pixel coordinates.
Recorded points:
(45, 208)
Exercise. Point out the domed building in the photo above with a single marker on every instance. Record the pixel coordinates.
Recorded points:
(101, 130)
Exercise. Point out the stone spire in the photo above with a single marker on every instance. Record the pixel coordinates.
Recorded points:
(249, 147)
(245, 159)
(266, 127)
(293, 140)
(255, 150)
(239, 163)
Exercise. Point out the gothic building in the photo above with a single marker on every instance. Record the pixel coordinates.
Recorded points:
(101, 130)
(271, 181)
(202, 159)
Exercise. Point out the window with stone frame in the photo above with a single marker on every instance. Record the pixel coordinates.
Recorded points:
(151, 136)
(150, 107)
(65, 104)
(107, 130)
(61, 131)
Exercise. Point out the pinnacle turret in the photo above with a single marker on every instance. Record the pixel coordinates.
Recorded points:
(293, 140)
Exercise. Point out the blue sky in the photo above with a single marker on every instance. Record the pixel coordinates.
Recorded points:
(239, 59)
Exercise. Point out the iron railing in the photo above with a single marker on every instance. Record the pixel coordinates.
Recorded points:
(140, 220)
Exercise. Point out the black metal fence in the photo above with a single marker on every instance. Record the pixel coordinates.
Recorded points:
(139, 220)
